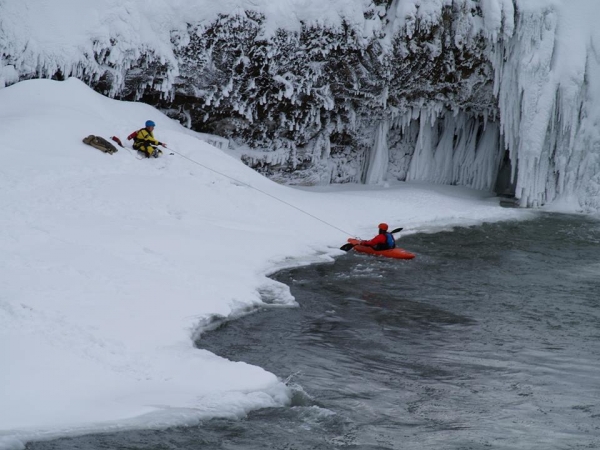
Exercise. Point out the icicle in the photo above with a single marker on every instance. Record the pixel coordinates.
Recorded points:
(376, 170)
(456, 150)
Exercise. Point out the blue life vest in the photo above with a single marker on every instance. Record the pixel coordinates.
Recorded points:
(390, 241)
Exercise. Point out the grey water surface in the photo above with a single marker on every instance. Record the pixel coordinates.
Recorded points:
(489, 339)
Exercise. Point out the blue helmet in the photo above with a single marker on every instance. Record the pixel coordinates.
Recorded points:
(149, 123)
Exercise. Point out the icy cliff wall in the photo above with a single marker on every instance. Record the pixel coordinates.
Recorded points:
(347, 90)
(548, 92)
(546, 61)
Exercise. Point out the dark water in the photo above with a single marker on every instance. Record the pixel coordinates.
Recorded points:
(490, 339)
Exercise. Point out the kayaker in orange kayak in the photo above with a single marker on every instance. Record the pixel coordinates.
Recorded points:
(383, 241)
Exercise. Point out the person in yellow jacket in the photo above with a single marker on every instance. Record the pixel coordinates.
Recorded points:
(145, 142)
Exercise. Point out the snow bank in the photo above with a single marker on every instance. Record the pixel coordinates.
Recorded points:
(111, 264)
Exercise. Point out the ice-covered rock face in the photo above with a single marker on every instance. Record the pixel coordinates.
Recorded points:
(446, 91)
(548, 92)
(322, 92)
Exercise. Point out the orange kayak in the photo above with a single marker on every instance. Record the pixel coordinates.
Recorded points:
(397, 253)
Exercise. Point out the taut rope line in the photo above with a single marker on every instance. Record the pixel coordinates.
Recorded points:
(262, 192)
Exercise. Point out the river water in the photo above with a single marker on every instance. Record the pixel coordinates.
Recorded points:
(489, 339)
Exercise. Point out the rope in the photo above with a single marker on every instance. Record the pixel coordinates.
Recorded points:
(131, 153)
(262, 192)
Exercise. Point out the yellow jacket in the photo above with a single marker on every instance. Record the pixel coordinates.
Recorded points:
(145, 138)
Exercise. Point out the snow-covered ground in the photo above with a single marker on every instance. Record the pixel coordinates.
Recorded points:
(110, 265)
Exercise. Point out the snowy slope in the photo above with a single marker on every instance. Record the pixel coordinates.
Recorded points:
(111, 265)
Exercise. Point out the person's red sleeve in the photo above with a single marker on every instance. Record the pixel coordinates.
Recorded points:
(379, 239)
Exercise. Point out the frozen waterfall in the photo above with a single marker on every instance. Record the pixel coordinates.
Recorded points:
(547, 83)
(549, 93)
(377, 167)
(456, 150)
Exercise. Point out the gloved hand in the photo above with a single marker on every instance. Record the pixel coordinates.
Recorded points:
(162, 143)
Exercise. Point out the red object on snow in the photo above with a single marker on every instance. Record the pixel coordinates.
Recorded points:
(117, 140)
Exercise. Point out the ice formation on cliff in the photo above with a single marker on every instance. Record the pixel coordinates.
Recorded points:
(544, 55)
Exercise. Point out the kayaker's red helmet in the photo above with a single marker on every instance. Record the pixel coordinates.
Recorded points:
(383, 226)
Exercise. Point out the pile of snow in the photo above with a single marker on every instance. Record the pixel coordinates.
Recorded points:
(111, 265)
